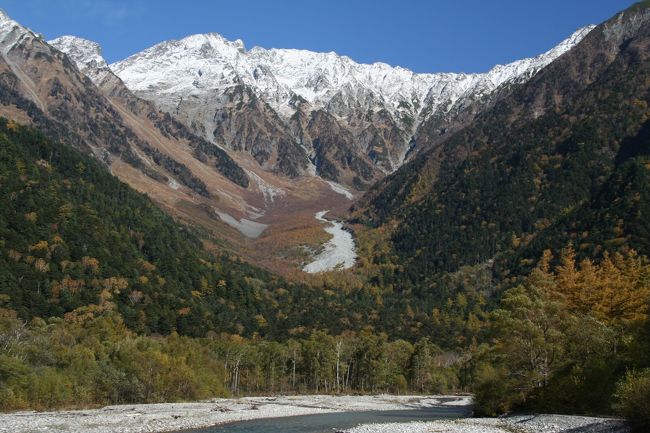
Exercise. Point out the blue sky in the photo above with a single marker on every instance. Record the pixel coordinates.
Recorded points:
(424, 35)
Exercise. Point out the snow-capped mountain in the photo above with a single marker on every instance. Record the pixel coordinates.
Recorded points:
(42, 86)
(298, 111)
(206, 81)
(12, 33)
(200, 63)
(208, 61)
(86, 54)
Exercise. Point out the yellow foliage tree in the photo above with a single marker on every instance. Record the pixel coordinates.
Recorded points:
(616, 291)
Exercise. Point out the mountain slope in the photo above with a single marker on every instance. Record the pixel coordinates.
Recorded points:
(74, 238)
(46, 78)
(217, 87)
(541, 156)
(278, 207)
(73, 234)
(87, 57)
(76, 242)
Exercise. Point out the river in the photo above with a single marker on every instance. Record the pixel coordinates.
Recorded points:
(331, 422)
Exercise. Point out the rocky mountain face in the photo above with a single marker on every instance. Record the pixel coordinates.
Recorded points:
(87, 55)
(41, 85)
(298, 111)
(562, 158)
(49, 90)
(88, 58)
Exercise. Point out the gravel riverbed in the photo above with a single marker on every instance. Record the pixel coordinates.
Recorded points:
(512, 424)
(169, 417)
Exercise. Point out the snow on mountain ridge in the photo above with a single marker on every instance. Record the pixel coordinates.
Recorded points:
(11, 32)
(6, 23)
(471, 86)
(275, 74)
(208, 82)
(179, 68)
(86, 54)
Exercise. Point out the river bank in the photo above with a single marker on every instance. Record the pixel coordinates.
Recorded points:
(178, 416)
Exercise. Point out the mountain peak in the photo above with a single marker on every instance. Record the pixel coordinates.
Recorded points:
(7, 24)
(12, 33)
(86, 54)
(80, 48)
(205, 43)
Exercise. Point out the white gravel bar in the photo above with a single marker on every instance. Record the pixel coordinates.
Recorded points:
(511, 424)
(338, 253)
(178, 416)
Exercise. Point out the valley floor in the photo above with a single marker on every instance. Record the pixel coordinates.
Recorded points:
(178, 416)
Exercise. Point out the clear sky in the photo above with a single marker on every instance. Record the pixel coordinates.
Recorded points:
(422, 35)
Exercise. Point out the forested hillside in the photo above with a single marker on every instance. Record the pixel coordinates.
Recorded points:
(541, 207)
(97, 284)
(73, 235)
(559, 160)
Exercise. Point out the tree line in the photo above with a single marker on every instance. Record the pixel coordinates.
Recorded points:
(91, 358)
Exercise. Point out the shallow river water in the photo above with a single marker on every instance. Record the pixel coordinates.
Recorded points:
(332, 422)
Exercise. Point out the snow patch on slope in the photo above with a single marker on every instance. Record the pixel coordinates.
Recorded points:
(173, 184)
(340, 189)
(269, 191)
(248, 228)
